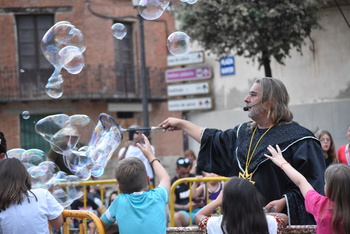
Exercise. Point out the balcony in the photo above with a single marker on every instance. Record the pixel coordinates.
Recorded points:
(92, 83)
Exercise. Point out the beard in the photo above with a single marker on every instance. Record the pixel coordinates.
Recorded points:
(255, 111)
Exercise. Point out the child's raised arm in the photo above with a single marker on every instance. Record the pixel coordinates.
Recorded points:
(162, 174)
(297, 178)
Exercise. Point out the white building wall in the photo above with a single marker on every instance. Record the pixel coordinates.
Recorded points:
(318, 83)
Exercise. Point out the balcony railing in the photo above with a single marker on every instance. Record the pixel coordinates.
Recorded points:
(97, 83)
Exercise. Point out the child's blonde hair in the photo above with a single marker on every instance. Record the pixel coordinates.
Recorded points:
(131, 175)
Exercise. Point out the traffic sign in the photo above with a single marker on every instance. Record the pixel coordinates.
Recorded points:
(190, 104)
(199, 73)
(188, 89)
(190, 58)
(227, 66)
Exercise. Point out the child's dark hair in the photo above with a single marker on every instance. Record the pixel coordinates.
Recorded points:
(337, 178)
(242, 208)
(15, 183)
(3, 144)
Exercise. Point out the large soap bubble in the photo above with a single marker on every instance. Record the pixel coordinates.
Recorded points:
(64, 132)
(151, 9)
(62, 34)
(179, 43)
(85, 148)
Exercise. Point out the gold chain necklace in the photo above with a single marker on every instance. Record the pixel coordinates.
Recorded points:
(246, 175)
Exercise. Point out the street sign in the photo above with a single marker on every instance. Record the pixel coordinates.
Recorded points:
(188, 89)
(190, 104)
(199, 73)
(227, 66)
(190, 58)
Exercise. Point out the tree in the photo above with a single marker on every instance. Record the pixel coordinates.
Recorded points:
(256, 29)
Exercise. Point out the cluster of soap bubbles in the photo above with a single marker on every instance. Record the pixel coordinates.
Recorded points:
(46, 174)
(63, 46)
(85, 148)
(179, 43)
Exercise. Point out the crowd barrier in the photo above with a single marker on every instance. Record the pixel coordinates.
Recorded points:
(291, 229)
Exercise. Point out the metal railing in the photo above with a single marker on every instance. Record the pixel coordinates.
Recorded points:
(83, 214)
(188, 180)
(93, 83)
(290, 229)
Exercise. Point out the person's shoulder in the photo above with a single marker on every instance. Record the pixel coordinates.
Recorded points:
(342, 147)
(294, 128)
(39, 191)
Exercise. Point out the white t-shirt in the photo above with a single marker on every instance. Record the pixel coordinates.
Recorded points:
(134, 151)
(214, 225)
(32, 217)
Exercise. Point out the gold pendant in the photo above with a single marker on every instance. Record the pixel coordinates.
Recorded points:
(246, 176)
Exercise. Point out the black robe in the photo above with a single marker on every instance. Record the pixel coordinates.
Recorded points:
(225, 152)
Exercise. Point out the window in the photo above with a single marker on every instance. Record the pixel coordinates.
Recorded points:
(34, 69)
(124, 58)
(30, 139)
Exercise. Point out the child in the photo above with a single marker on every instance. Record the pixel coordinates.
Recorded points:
(78, 204)
(242, 211)
(135, 209)
(22, 209)
(331, 212)
(199, 191)
(328, 146)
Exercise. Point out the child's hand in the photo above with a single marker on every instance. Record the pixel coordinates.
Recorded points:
(276, 156)
(146, 150)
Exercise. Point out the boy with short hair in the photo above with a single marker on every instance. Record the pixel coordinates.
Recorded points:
(135, 209)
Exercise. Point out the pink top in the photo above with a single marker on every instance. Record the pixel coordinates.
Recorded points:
(320, 207)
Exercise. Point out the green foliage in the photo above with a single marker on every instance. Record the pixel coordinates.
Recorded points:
(256, 29)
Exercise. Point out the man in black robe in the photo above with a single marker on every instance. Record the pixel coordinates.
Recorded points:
(240, 151)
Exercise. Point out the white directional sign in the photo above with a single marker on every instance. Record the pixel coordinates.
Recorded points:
(188, 89)
(190, 58)
(190, 104)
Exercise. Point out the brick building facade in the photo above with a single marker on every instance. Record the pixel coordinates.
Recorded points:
(110, 77)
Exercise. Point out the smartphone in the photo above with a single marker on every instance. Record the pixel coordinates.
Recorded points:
(131, 135)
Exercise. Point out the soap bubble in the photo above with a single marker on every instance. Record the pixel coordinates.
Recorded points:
(192, 1)
(179, 43)
(25, 115)
(118, 31)
(54, 90)
(85, 150)
(66, 188)
(42, 174)
(72, 59)
(150, 9)
(62, 34)
(33, 157)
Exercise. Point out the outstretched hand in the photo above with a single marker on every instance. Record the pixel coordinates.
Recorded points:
(171, 124)
(146, 149)
(276, 156)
